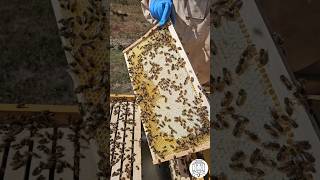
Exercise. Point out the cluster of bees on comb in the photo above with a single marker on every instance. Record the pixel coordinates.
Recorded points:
(281, 152)
(224, 9)
(39, 130)
(122, 150)
(85, 36)
(162, 83)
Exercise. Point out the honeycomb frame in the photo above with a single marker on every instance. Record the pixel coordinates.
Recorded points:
(174, 110)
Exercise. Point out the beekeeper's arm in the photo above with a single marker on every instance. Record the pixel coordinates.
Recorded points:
(158, 11)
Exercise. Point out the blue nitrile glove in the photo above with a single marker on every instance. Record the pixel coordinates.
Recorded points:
(161, 10)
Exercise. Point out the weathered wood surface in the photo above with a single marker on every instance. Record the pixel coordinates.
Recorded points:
(234, 129)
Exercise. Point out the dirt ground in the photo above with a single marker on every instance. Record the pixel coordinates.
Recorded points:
(124, 31)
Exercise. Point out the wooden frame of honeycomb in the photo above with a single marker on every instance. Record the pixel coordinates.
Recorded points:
(174, 110)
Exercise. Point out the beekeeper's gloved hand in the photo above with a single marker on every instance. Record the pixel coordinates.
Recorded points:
(162, 10)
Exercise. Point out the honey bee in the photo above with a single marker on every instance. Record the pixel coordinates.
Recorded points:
(66, 21)
(255, 156)
(268, 162)
(237, 166)
(73, 6)
(190, 130)
(215, 125)
(239, 67)
(290, 120)
(216, 20)
(308, 167)
(240, 118)
(79, 20)
(282, 154)
(41, 177)
(288, 106)
(255, 171)
(227, 99)
(271, 145)
(254, 137)
(278, 38)
(277, 126)
(237, 156)
(62, 6)
(222, 121)
(287, 167)
(249, 52)
(271, 131)
(218, 84)
(246, 54)
(192, 79)
(237, 130)
(82, 36)
(286, 82)
(117, 173)
(227, 76)
(302, 145)
(81, 51)
(164, 151)
(186, 80)
(89, 44)
(309, 157)
(263, 57)
(242, 96)
(274, 113)
(43, 141)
